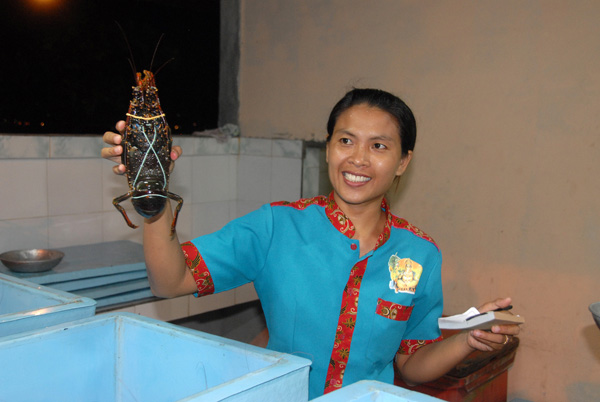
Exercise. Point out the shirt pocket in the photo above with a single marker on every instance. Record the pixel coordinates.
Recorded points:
(393, 311)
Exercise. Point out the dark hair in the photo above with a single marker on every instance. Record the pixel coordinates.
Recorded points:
(382, 100)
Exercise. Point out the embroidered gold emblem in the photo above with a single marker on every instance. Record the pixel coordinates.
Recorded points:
(404, 273)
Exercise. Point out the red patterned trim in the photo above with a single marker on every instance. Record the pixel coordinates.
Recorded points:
(403, 224)
(336, 216)
(197, 265)
(410, 346)
(345, 329)
(387, 229)
(302, 203)
(393, 311)
(342, 223)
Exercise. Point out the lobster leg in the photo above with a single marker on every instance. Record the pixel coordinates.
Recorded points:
(116, 203)
(179, 200)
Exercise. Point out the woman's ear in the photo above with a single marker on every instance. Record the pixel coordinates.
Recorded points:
(404, 161)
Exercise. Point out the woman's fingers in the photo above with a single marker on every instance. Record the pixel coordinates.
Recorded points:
(115, 150)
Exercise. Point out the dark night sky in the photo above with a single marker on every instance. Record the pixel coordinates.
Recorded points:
(65, 64)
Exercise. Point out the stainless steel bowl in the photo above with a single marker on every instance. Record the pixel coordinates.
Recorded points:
(32, 260)
(595, 309)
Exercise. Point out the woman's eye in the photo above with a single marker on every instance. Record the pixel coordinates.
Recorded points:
(345, 141)
(379, 146)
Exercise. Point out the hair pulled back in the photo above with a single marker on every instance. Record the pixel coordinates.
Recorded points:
(382, 100)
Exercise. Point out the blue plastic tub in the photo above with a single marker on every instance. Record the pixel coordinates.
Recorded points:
(375, 391)
(26, 306)
(126, 357)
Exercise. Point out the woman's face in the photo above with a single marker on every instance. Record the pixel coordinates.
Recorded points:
(364, 155)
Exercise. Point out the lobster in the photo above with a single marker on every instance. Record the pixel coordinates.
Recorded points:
(147, 153)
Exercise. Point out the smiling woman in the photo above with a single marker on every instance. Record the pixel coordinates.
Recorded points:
(364, 155)
(65, 68)
(340, 278)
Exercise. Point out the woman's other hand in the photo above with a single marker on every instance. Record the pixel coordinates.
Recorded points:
(499, 335)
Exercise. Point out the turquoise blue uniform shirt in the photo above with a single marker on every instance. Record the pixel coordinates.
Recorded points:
(348, 314)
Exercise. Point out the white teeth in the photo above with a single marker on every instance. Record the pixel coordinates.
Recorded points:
(356, 179)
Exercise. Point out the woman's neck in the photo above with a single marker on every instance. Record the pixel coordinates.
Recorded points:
(368, 220)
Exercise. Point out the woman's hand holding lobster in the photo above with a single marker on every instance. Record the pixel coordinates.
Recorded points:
(115, 150)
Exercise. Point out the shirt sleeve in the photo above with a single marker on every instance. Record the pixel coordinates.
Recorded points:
(423, 325)
(232, 256)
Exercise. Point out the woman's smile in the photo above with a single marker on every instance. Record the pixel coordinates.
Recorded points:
(354, 178)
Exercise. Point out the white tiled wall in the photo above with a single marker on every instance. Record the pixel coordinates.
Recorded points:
(56, 191)
(315, 177)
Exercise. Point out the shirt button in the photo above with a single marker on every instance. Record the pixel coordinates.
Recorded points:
(353, 246)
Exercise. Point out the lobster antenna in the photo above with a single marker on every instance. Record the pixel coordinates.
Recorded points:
(130, 59)
(155, 50)
(133, 69)
(164, 64)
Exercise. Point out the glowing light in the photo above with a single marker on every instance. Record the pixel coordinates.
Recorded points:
(45, 4)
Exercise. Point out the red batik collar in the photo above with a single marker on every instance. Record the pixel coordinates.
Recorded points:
(342, 223)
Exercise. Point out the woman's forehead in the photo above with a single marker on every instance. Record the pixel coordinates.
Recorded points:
(363, 118)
